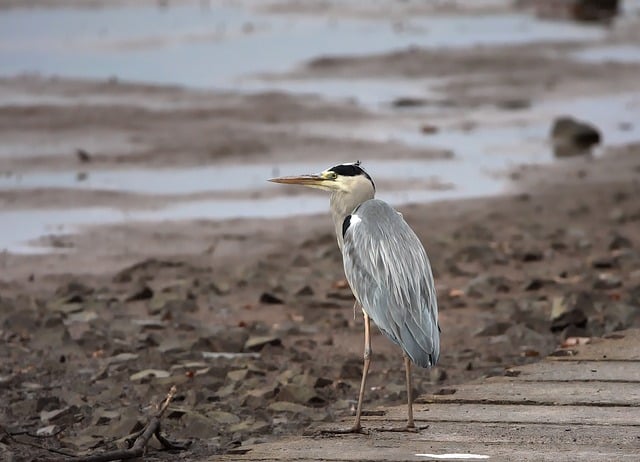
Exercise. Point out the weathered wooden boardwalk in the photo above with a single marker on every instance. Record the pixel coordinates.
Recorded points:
(583, 406)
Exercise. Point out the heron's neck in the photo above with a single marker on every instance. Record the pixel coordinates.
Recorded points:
(343, 204)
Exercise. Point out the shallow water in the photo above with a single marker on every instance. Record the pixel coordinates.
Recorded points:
(227, 47)
(22, 226)
(610, 54)
(193, 45)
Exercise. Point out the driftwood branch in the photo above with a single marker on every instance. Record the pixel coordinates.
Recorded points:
(141, 438)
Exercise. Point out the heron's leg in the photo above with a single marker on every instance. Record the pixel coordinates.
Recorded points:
(365, 370)
(407, 369)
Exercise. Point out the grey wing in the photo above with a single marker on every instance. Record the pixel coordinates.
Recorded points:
(390, 275)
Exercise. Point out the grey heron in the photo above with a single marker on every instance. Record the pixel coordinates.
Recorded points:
(387, 269)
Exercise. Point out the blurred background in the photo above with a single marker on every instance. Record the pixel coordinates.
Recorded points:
(144, 111)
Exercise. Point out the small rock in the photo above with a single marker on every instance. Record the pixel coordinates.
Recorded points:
(322, 382)
(617, 316)
(73, 292)
(514, 104)
(6, 380)
(222, 339)
(532, 255)
(574, 341)
(105, 417)
(149, 373)
(220, 287)
(270, 299)
(445, 391)
(408, 101)
(238, 375)
(300, 394)
(82, 155)
(49, 430)
(619, 241)
(63, 415)
(47, 403)
(172, 345)
(250, 427)
(537, 284)
(572, 137)
(618, 215)
(577, 10)
(604, 262)
(150, 323)
(142, 293)
(428, 129)
(222, 417)
(259, 342)
(305, 291)
(81, 317)
(255, 399)
(570, 311)
(607, 281)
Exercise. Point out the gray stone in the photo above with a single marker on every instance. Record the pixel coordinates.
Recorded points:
(607, 281)
(259, 342)
(570, 311)
(149, 373)
(572, 137)
(300, 394)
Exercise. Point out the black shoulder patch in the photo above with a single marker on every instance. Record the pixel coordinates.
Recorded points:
(345, 225)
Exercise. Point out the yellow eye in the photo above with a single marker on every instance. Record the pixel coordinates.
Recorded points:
(332, 175)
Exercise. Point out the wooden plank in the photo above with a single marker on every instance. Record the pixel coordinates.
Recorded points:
(500, 442)
(506, 418)
(500, 390)
(509, 413)
(402, 453)
(576, 370)
(614, 348)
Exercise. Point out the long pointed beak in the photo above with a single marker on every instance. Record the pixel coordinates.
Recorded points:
(305, 180)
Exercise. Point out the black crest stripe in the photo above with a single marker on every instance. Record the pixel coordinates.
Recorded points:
(351, 170)
(347, 170)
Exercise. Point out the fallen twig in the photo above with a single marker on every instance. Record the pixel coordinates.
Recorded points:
(141, 439)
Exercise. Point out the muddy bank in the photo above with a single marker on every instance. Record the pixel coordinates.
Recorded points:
(92, 336)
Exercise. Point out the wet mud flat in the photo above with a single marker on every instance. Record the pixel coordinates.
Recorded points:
(197, 274)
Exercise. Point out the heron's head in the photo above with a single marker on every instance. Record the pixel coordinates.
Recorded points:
(344, 178)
